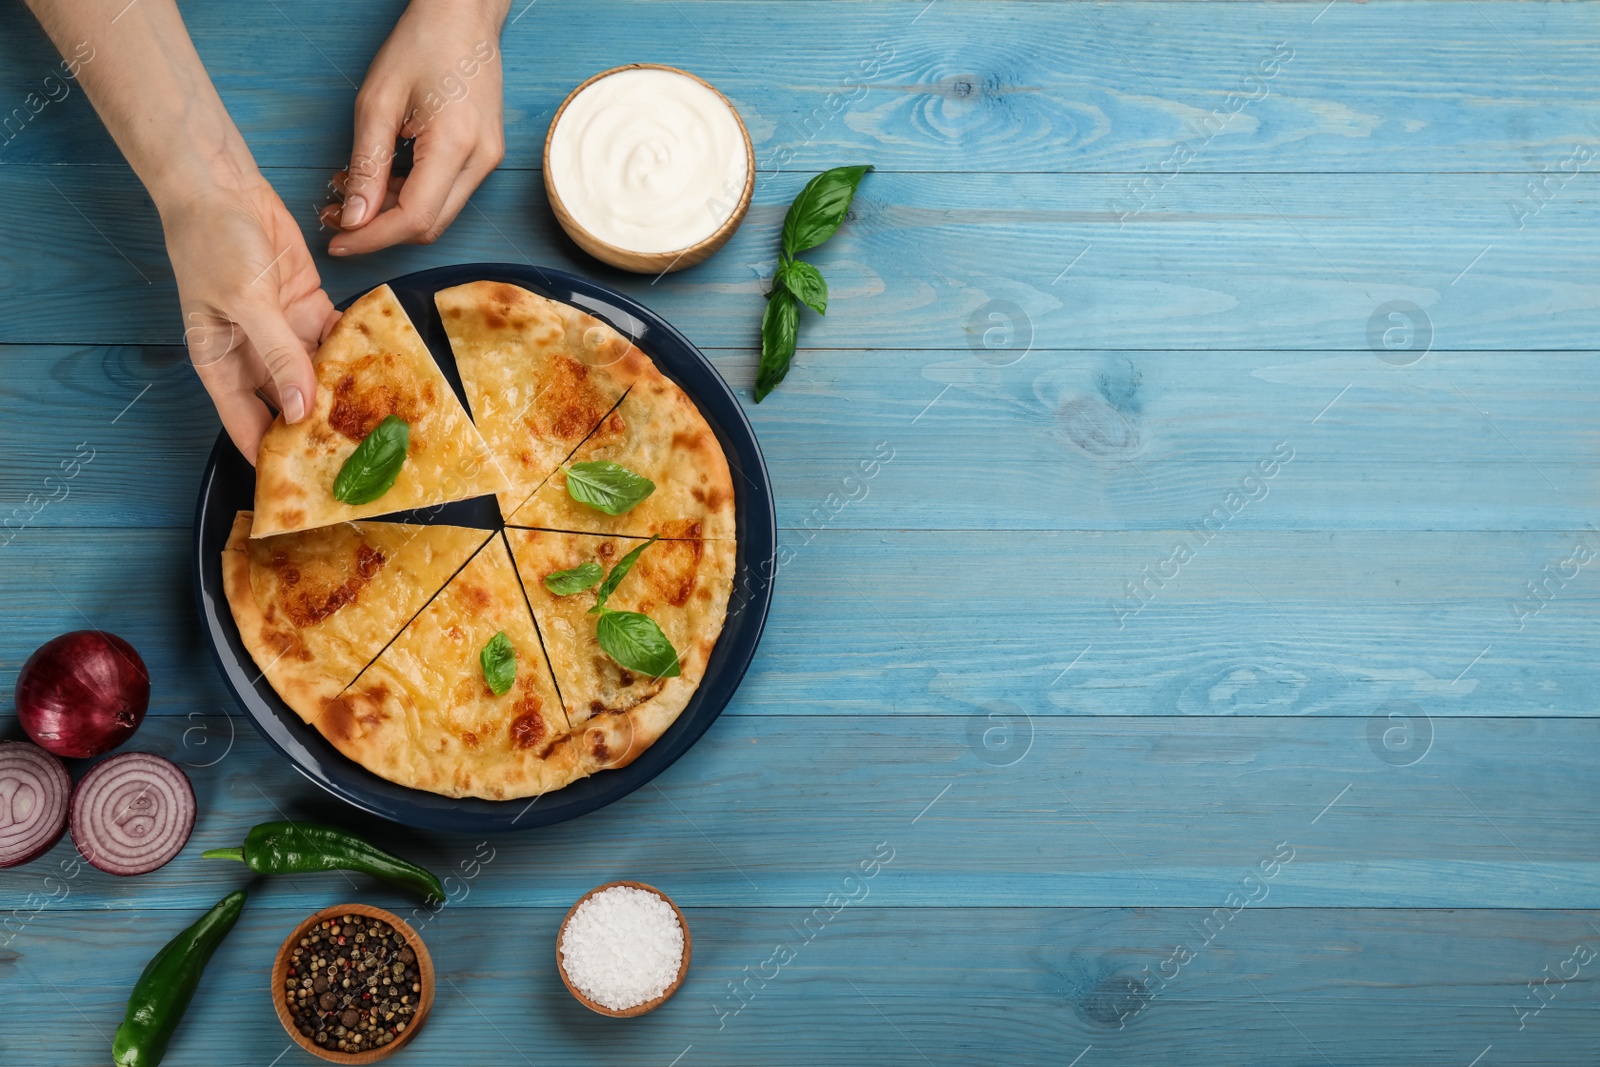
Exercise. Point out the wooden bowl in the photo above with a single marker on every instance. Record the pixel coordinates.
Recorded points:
(650, 262)
(637, 1009)
(280, 974)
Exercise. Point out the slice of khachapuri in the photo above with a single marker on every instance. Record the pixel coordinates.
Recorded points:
(682, 585)
(314, 607)
(425, 715)
(539, 375)
(372, 365)
(658, 433)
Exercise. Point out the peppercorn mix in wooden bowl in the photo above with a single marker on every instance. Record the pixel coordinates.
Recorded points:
(353, 983)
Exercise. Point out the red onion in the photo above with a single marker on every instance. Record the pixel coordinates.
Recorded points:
(83, 693)
(33, 802)
(132, 813)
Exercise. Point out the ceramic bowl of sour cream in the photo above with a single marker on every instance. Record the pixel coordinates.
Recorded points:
(648, 168)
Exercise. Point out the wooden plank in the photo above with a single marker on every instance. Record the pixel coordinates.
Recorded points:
(1274, 624)
(1217, 262)
(1057, 440)
(902, 622)
(1106, 87)
(1034, 986)
(1086, 771)
(1131, 440)
(1002, 810)
(113, 435)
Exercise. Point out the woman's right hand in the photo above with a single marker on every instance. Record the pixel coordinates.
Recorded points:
(253, 305)
(436, 79)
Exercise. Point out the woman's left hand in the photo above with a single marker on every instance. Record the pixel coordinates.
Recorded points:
(436, 79)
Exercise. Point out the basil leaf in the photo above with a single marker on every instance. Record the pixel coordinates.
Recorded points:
(636, 642)
(779, 327)
(375, 464)
(821, 206)
(499, 661)
(806, 283)
(607, 487)
(619, 572)
(579, 578)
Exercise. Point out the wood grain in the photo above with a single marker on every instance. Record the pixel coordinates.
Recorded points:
(1033, 985)
(1004, 810)
(1217, 262)
(967, 85)
(1079, 301)
(1068, 440)
(874, 623)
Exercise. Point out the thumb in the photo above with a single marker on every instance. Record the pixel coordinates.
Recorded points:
(377, 123)
(285, 357)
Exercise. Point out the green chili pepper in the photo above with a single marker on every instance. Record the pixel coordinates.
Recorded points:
(297, 847)
(167, 984)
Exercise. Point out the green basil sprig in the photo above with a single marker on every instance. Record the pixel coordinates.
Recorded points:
(636, 642)
(375, 464)
(499, 662)
(576, 580)
(606, 486)
(629, 637)
(619, 572)
(814, 217)
(780, 328)
(805, 282)
(821, 206)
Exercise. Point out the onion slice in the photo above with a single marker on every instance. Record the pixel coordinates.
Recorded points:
(34, 788)
(132, 813)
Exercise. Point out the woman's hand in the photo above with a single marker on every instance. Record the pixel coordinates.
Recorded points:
(436, 79)
(253, 306)
(252, 303)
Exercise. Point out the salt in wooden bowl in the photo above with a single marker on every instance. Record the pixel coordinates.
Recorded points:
(637, 1009)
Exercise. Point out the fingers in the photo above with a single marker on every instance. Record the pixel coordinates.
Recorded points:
(221, 351)
(378, 119)
(328, 323)
(446, 172)
(285, 357)
(246, 419)
(332, 215)
(216, 348)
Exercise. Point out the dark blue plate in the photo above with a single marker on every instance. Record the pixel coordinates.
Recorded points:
(228, 487)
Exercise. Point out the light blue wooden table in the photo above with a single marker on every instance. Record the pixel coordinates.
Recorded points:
(1209, 667)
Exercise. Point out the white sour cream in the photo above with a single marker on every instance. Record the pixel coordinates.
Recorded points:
(648, 160)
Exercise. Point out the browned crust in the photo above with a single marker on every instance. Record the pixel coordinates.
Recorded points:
(616, 737)
(360, 720)
(658, 432)
(361, 723)
(304, 690)
(539, 375)
(297, 464)
(421, 715)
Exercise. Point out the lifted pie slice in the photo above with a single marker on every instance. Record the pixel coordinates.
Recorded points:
(682, 585)
(373, 365)
(539, 374)
(656, 432)
(315, 607)
(423, 714)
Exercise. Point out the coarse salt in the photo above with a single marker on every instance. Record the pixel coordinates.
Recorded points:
(622, 947)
